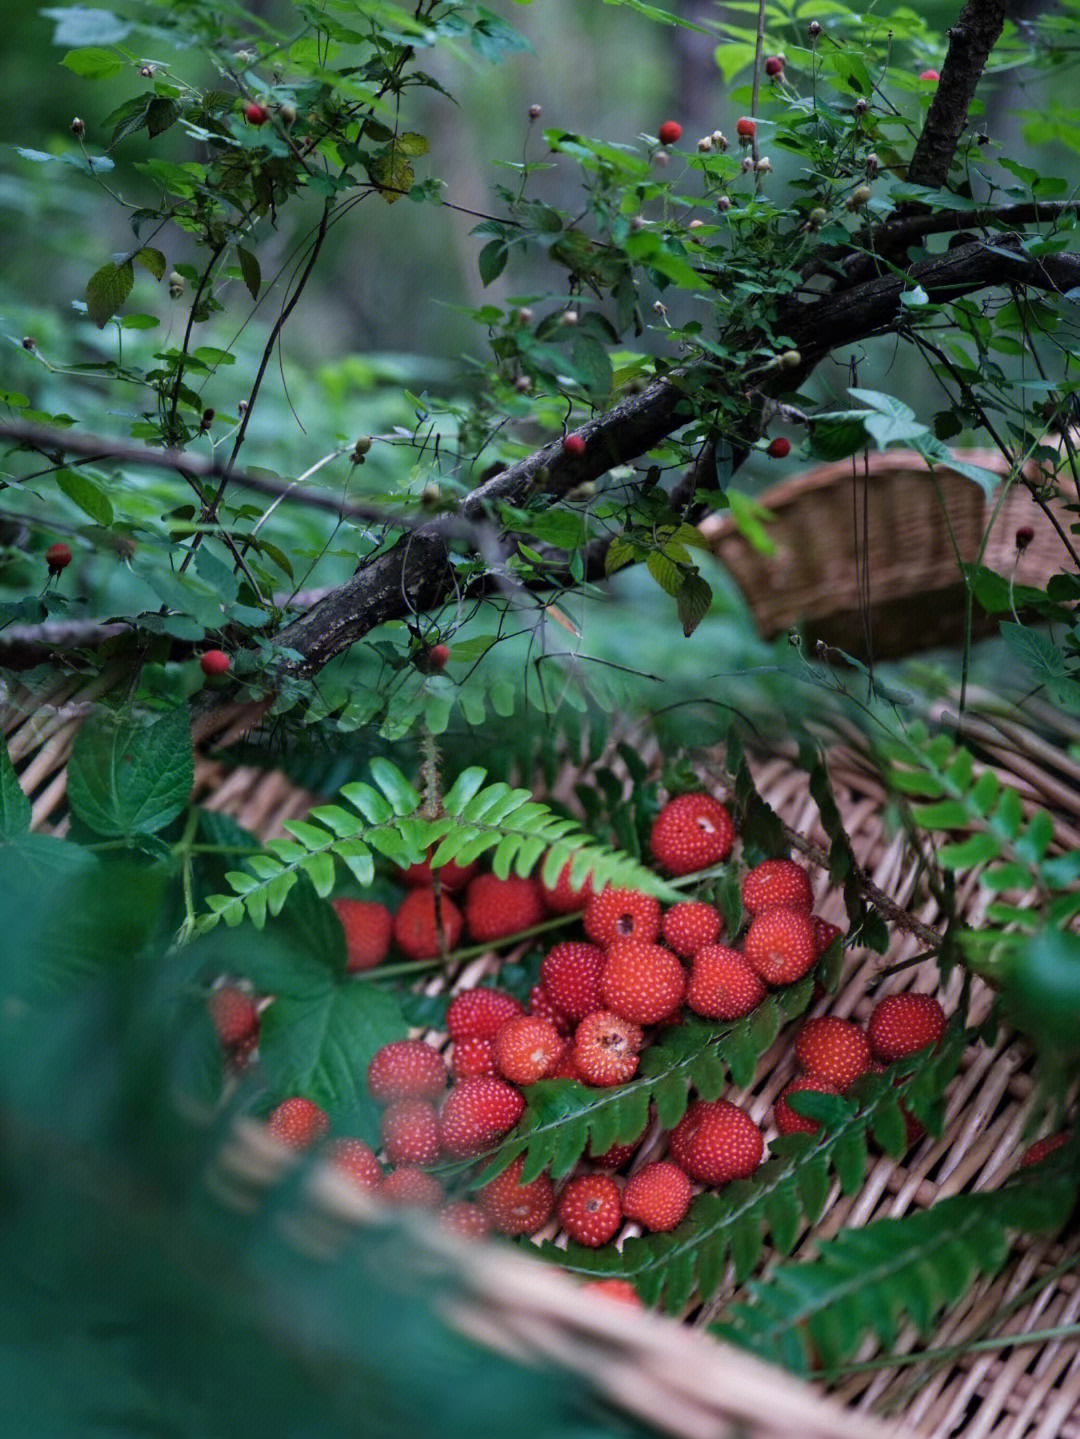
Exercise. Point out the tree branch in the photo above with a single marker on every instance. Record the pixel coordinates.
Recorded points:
(971, 40)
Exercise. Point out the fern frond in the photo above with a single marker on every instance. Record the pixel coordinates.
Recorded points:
(386, 817)
(869, 1280)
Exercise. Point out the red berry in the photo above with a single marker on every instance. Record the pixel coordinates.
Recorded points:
(590, 1209)
(58, 557)
(526, 1049)
(368, 927)
(777, 883)
(406, 1069)
(256, 114)
(477, 1112)
(416, 930)
(465, 1219)
(472, 1057)
(570, 973)
(780, 448)
(903, 1024)
(691, 832)
(452, 876)
(669, 132)
(824, 933)
(616, 914)
(658, 1196)
(234, 1014)
(562, 897)
(480, 1013)
(215, 662)
(780, 945)
(438, 655)
(298, 1122)
(833, 1049)
(542, 1005)
(411, 1188)
(774, 65)
(785, 1118)
(723, 984)
(618, 1154)
(745, 127)
(515, 1208)
(574, 444)
(606, 1048)
(642, 982)
(716, 1141)
(356, 1159)
(1038, 1151)
(410, 1132)
(690, 926)
(930, 75)
(565, 1067)
(497, 908)
(621, 1290)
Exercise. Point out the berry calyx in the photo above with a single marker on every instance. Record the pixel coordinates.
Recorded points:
(606, 1048)
(58, 557)
(574, 444)
(669, 132)
(590, 1209)
(256, 114)
(214, 663)
(780, 448)
(745, 128)
(902, 1024)
(691, 832)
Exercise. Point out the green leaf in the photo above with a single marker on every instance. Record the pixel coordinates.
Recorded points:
(127, 777)
(492, 259)
(693, 601)
(394, 786)
(85, 492)
(151, 259)
(14, 805)
(107, 289)
(94, 63)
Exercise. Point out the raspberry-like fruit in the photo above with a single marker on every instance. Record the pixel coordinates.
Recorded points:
(723, 984)
(777, 884)
(833, 1049)
(574, 445)
(234, 1014)
(465, 1219)
(438, 656)
(298, 1122)
(785, 1118)
(716, 1142)
(606, 1048)
(780, 945)
(368, 927)
(590, 1209)
(477, 1112)
(1037, 1152)
(410, 1132)
(411, 1188)
(526, 1049)
(570, 973)
(824, 933)
(643, 982)
(480, 1013)
(745, 128)
(774, 66)
(215, 662)
(669, 132)
(406, 1069)
(658, 1196)
(780, 448)
(452, 876)
(543, 1006)
(690, 926)
(58, 557)
(256, 114)
(691, 832)
(930, 75)
(515, 1208)
(616, 914)
(357, 1160)
(902, 1024)
(620, 1290)
(472, 1057)
(496, 908)
(562, 897)
(416, 930)
(618, 1154)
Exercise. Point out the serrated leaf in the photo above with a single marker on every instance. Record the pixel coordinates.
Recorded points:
(747, 1243)
(14, 804)
(151, 259)
(127, 777)
(693, 601)
(107, 289)
(93, 62)
(667, 574)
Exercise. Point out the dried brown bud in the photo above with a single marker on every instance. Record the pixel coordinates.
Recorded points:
(78, 127)
(1024, 536)
(146, 71)
(535, 111)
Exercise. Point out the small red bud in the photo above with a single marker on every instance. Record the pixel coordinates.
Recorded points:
(215, 662)
(574, 444)
(256, 114)
(774, 66)
(438, 656)
(745, 128)
(1024, 536)
(669, 132)
(930, 75)
(58, 557)
(780, 448)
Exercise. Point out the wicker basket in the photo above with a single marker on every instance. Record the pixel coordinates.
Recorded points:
(869, 549)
